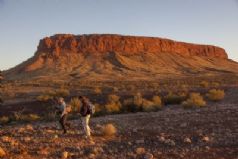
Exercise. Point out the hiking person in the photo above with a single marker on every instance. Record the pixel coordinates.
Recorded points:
(85, 113)
(64, 110)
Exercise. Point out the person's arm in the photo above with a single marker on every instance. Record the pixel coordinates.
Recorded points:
(64, 109)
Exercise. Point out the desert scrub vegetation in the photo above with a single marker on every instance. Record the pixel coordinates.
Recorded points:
(62, 92)
(204, 84)
(19, 117)
(172, 98)
(194, 100)
(215, 95)
(113, 105)
(75, 104)
(97, 90)
(48, 95)
(109, 130)
(215, 84)
(99, 110)
(4, 120)
(133, 104)
(153, 105)
(138, 103)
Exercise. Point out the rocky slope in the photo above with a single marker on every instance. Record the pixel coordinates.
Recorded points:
(110, 57)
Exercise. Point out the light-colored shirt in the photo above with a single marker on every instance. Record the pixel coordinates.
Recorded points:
(63, 109)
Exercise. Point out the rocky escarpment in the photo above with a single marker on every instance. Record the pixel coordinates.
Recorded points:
(127, 45)
(113, 57)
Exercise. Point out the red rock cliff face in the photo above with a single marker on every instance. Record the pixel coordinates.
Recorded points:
(99, 44)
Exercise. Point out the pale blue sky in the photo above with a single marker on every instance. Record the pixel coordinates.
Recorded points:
(24, 22)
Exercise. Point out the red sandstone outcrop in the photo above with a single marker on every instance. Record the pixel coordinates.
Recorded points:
(128, 45)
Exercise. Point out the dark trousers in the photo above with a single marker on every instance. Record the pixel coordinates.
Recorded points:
(63, 123)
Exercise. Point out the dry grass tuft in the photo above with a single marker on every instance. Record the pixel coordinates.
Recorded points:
(204, 84)
(194, 100)
(113, 105)
(109, 130)
(215, 94)
(75, 104)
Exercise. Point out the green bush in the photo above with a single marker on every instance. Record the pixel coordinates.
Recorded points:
(215, 94)
(194, 100)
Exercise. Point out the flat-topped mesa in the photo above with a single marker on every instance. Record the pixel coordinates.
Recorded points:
(126, 45)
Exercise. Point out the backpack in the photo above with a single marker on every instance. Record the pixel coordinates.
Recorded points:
(91, 108)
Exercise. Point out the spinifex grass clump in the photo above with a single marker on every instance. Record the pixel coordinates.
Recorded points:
(215, 94)
(195, 100)
(109, 130)
(173, 98)
(113, 105)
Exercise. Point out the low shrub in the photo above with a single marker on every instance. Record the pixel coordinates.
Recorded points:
(133, 104)
(204, 84)
(157, 101)
(44, 98)
(4, 120)
(138, 100)
(113, 105)
(99, 109)
(62, 92)
(172, 98)
(97, 90)
(215, 94)
(75, 104)
(30, 117)
(148, 106)
(109, 130)
(194, 100)
(215, 84)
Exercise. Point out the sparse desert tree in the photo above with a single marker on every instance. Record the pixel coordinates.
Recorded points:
(194, 100)
(215, 94)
